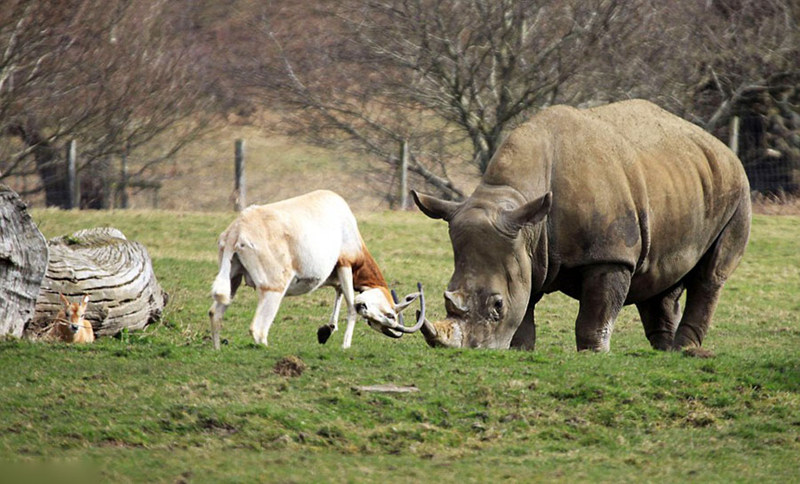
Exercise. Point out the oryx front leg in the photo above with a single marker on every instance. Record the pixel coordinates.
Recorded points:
(345, 274)
(324, 332)
(268, 304)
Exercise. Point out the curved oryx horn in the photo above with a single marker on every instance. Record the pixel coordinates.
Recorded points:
(420, 316)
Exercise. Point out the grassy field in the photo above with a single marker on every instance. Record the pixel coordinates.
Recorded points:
(161, 406)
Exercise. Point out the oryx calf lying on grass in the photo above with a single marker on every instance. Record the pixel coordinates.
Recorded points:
(69, 324)
(293, 247)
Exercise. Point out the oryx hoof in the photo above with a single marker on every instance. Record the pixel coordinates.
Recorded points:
(323, 333)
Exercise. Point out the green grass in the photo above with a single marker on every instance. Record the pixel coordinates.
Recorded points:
(161, 406)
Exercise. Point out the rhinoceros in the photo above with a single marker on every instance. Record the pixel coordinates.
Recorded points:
(615, 205)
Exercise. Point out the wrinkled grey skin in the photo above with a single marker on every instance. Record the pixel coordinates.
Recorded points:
(621, 204)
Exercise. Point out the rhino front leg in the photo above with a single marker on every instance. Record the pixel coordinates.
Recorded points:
(603, 292)
(660, 316)
(525, 337)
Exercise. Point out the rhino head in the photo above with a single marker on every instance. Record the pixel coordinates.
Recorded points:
(490, 288)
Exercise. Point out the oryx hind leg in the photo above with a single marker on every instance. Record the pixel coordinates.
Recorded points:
(270, 287)
(218, 307)
(268, 303)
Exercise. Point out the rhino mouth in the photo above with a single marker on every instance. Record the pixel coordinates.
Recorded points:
(446, 333)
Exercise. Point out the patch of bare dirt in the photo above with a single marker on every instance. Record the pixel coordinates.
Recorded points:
(697, 352)
(290, 366)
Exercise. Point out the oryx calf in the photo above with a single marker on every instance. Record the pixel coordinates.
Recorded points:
(293, 247)
(69, 325)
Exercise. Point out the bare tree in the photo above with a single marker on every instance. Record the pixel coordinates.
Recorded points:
(715, 60)
(111, 74)
(448, 77)
(453, 76)
(436, 73)
(32, 51)
(705, 58)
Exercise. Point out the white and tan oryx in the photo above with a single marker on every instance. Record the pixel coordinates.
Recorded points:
(295, 246)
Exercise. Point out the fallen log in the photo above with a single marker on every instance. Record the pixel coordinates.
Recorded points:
(23, 262)
(115, 272)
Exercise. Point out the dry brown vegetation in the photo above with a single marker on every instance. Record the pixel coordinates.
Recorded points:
(776, 205)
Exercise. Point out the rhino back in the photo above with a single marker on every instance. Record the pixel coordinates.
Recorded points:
(632, 184)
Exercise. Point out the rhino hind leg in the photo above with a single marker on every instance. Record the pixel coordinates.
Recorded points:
(704, 283)
(701, 301)
(660, 317)
(603, 292)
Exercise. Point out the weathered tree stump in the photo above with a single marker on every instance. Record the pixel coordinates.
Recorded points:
(116, 273)
(23, 262)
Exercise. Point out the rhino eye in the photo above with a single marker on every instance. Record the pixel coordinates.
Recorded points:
(496, 306)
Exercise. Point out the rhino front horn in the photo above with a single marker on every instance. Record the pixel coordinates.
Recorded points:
(428, 331)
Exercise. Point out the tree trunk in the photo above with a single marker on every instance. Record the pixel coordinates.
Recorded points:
(23, 262)
(116, 273)
(50, 166)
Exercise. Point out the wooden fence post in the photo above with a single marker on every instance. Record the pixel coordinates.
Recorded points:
(123, 181)
(404, 175)
(239, 201)
(73, 187)
(733, 141)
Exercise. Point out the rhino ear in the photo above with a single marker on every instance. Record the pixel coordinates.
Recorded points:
(434, 207)
(512, 221)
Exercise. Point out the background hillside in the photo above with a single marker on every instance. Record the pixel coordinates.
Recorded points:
(278, 166)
